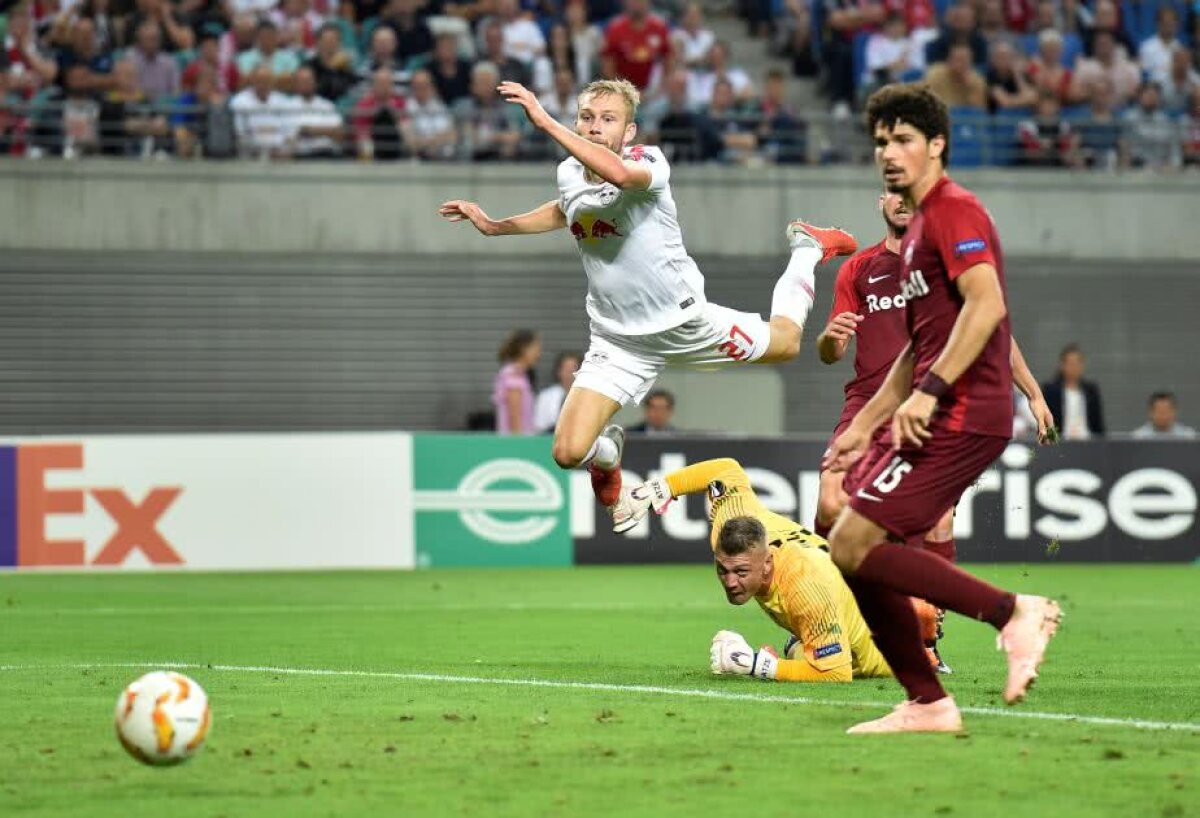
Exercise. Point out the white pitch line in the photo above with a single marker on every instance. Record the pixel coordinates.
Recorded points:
(615, 607)
(696, 693)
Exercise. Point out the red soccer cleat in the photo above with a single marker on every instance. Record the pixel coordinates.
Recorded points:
(833, 241)
(1034, 622)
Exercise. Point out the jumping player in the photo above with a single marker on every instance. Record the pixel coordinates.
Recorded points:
(949, 397)
(645, 299)
(868, 309)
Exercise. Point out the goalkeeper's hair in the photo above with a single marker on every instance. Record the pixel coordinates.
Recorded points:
(741, 534)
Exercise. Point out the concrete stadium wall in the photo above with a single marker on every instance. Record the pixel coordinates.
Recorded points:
(354, 208)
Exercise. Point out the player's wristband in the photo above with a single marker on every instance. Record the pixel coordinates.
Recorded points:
(933, 385)
(765, 665)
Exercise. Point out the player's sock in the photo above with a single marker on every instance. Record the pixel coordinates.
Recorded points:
(603, 454)
(606, 484)
(946, 550)
(821, 529)
(794, 291)
(897, 633)
(913, 572)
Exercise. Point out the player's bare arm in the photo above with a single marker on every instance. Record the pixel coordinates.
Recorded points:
(851, 444)
(601, 122)
(833, 342)
(543, 219)
(1032, 390)
(982, 311)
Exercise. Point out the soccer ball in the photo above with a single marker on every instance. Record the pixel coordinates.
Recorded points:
(162, 718)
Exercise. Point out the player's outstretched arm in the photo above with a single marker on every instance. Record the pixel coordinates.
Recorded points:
(540, 220)
(597, 158)
(1032, 390)
(731, 654)
(658, 493)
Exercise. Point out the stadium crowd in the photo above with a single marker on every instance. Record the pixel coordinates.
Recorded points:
(1098, 84)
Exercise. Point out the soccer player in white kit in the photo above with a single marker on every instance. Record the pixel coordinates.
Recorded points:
(645, 295)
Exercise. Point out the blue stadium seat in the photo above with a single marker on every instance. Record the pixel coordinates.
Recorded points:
(1003, 146)
(968, 136)
(859, 57)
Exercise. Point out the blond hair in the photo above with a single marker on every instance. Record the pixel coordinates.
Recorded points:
(625, 89)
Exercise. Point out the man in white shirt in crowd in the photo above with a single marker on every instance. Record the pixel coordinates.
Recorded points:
(428, 127)
(1163, 422)
(317, 127)
(262, 116)
(1155, 52)
(701, 83)
(550, 400)
(523, 40)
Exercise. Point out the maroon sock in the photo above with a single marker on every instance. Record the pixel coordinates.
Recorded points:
(897, 633)
(606, 484)
(946, 550)
(913, 572)
(820, 529)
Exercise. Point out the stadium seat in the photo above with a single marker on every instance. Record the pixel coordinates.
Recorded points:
(968, 137)
(1002, 136)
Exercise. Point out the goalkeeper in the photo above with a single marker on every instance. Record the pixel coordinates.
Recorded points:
(783, 566)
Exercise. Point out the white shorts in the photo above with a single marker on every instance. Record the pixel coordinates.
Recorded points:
(625, 368)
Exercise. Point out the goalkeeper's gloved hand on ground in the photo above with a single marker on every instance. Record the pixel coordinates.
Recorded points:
(731, 653)
(635, 503)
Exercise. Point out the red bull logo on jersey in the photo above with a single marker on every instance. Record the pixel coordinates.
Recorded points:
(876, 303)
(31, 479)
(914, 286)
(590, 228)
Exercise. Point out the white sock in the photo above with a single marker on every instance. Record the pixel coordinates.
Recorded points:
(794, 291)
(603, 454)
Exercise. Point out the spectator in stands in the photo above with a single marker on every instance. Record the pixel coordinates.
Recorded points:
(509, 68)
(587, 40)
(1046, 139)
(959, 28)
(637, 46)
(550, 400)
(413, 37)
(317, 130)
(1154, 53)
(1019, 15)
(692, 40)
(157, 73)
(522, 38)
(658, 410)
(892, 55)
(1191, 131)
(209, 57)
(794, 37)
(174, 35)
(685, 134)
(99, 13)
(261, 116)
(1075, 402)
(920, 17)
(79, 131)
(1046, 71)
(701, 83)
(95, 68)
(733, 124)
(202, 122)
(1149, 138)
(780, 132)
(129, 124)
(1106, 18)
(298, 24)
(512, 392)
(1163, 422)
(428, 127)
(451, 73)
(993, 27)
(377, 119)
(1180, 81)
(332, 65)
(469, 10)
(1100, 132)
(1110, 62)
(281, 62)
(487, 129)
(956, 81)
(562, 101)
(240, 38)
(1007, 86)
(28, 69)
(846, 19)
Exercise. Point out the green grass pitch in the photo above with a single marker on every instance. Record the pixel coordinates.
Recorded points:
(627, 720)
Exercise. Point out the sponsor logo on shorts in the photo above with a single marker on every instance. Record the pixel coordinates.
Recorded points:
(827, 650)
(970, 246)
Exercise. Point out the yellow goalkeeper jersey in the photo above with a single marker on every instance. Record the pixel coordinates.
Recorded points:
(808, 596)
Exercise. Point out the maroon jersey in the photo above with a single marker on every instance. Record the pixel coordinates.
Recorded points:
(950, 234)
(868, 284)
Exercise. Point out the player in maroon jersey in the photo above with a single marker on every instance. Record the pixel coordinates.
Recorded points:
(868, 308)
(949, 398)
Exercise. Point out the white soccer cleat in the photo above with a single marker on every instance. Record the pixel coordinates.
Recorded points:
(1033, 624)
(941, 716)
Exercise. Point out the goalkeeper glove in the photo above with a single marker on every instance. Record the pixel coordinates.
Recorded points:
(633, 505)
(731, 653)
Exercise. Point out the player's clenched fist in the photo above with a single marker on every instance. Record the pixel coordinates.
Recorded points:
(731, 653)
(843, 326)
(458, 210)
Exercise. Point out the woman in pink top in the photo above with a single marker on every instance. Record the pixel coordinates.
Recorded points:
(512, 393)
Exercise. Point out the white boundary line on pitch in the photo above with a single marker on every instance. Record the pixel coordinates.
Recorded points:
(616, 607)
(720, 695)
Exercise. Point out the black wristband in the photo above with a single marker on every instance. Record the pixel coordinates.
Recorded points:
(933, 385)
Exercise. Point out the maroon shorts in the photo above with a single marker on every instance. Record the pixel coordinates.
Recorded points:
(851, 408)
(907, 492)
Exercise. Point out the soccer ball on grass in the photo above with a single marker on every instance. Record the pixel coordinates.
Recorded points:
(162, 718)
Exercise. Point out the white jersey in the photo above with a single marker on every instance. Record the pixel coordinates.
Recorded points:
(640, 278)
